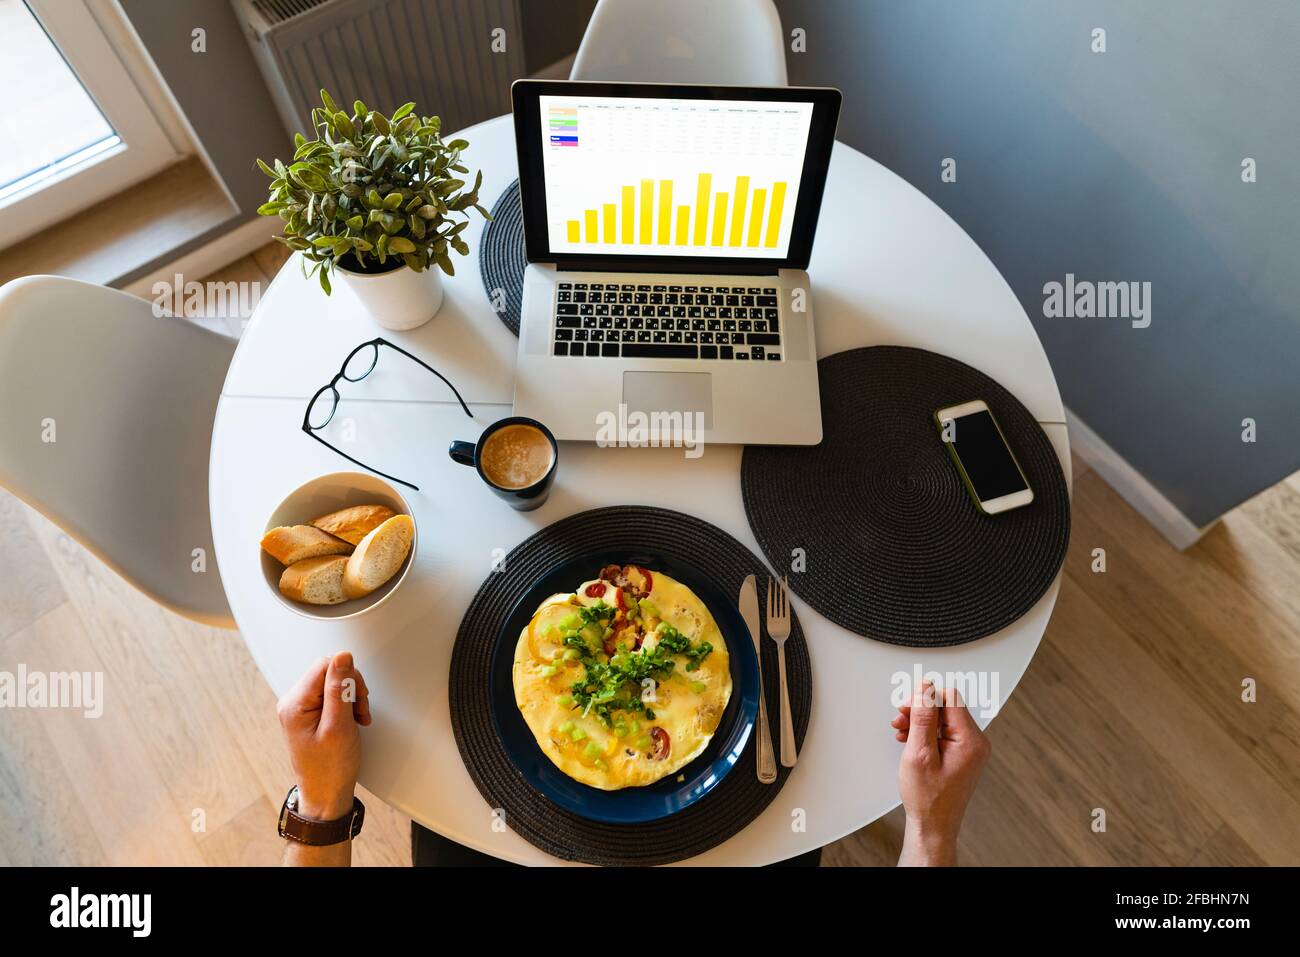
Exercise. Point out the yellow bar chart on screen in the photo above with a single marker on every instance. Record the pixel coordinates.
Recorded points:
(741, 218)
(669, 177)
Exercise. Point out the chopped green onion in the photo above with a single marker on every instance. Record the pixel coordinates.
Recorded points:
(697, 687)
(592, 750)
(577, 734)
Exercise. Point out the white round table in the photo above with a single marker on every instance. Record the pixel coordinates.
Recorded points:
(889, 267)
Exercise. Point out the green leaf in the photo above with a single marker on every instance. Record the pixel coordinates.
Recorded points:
(325, 280)
(392, 200)
(445, 263)
(381, 123)
(329, 103)
(359, 109)
(427, 212)
(402, 110)
(322, 242)
(400, 244)
(356, 222)
(267, 170)
(344, 125)
(270, 209)
(457, 145)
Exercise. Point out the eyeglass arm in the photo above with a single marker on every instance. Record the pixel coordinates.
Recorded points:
(391, 478)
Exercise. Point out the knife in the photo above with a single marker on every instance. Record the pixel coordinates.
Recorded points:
(749, 611)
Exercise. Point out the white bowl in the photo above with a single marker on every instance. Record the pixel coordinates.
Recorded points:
(323, 495)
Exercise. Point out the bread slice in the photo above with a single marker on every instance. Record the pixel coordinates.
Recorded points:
(316, 581)
(355, 523)
(379, 556)
(292, 543)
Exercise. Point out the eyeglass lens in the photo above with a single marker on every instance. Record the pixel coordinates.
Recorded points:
(361, 363)
(322, 408)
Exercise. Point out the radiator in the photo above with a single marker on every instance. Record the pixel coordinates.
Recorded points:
(439, 53)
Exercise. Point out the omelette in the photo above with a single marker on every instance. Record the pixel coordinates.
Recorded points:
(622, 682)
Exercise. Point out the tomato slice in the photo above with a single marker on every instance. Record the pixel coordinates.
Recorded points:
(597, 591)
(663, 744)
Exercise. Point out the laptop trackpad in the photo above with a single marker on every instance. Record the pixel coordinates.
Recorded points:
(669, 392)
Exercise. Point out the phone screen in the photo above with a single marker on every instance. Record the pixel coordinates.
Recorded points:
(985, 456)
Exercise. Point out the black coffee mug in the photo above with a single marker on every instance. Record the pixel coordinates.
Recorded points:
(524, 499)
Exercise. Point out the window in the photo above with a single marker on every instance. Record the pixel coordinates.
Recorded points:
(74, 128)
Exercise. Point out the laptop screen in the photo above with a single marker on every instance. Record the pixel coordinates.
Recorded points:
(672, 174)
(634, 175)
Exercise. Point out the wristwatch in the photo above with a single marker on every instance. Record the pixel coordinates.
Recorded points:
(304, 830)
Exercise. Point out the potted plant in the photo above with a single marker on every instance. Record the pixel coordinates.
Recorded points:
(379, 201)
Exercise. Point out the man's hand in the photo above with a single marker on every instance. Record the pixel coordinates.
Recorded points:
(944, 754)
(320, 717)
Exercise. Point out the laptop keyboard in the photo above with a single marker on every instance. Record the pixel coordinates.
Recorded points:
(652, 321)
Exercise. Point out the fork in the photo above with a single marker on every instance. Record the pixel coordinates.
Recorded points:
(778, 627)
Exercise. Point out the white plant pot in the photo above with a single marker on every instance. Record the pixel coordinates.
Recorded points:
(399, 299)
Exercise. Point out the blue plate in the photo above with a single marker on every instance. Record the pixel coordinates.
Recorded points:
(635, 804)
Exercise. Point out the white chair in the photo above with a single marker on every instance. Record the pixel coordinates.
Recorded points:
(735, 42)
(107, 420)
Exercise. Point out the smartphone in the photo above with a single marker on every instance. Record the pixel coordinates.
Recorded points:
(988, 468)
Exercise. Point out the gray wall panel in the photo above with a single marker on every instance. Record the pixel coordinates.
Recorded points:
(1123, 165)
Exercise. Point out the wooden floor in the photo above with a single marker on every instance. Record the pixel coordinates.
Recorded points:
(1133, 705)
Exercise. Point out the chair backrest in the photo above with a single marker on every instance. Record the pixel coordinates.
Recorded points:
(106, 417)
(683, 41)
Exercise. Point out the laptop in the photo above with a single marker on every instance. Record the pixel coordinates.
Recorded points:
(667, 231)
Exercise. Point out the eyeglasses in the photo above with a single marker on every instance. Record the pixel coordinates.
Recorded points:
(360, 362)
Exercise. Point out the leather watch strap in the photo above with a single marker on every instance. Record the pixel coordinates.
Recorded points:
(294, 827)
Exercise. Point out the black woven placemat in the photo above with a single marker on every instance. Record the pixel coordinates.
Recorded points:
(501, 257)
(894, 548)
(724, 811)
